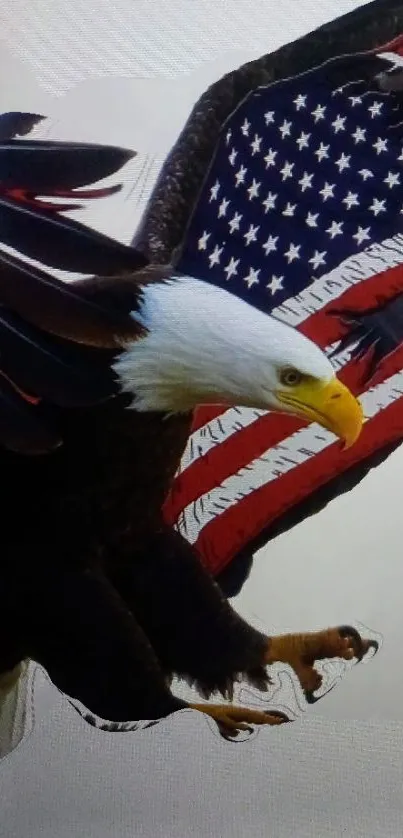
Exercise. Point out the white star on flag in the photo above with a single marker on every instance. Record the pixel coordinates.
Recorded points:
(362, 235)
(375, 109)
(270, 158)
(306, 181)
(292, 253)
(303, 140)
(202, 243)
(355, 100)
(255, 144)
(343, 162)
(351, 200)
(335, 229)
(214, 191)
(240, 175)
(365, 174)
(235, 222)
(253, 190)
(289, 210)
(232, 268)
(232, 157)
(317, 259)
(269, 117)
(380, 145)
(339, 124)
(359, 135)
(312, 219)
(275, 284)
(285, 129)
(319, 113)
(286, 171)
(300, 102)
(222, 209)
(270, 244)
(378, 206)
(251, 235)
(322, 152)
(270, 202)
(252, 278)
(215, 256)
(327, 191)
(392, 179)
(245, 128)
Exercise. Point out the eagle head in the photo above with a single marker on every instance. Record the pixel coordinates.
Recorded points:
(200, 344)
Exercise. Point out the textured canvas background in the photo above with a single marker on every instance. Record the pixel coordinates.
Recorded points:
(128, 72)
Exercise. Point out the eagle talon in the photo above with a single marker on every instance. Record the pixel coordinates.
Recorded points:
(301, 651)
(231, 719)
(279, 715)
(310, 697)
(359, 646)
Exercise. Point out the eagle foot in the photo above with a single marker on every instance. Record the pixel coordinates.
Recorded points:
(231, 719)
(301, 651)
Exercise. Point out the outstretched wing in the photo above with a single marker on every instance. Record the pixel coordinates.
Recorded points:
(293, 201)
(57, 339)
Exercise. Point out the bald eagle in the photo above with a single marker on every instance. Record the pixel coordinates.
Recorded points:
(98, 380)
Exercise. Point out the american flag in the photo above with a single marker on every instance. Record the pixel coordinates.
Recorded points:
(301, 215)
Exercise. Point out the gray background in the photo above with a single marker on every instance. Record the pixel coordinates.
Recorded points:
(128, 72)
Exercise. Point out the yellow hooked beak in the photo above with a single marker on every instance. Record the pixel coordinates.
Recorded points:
(331, 404)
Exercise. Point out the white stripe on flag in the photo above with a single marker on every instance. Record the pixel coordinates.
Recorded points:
(278, 460)
(216, 431)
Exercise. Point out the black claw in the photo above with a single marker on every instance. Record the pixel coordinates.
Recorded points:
(310, 697)
(349, 631)
(278, 714)
(231, 735)
(361, 646)
(372, 644)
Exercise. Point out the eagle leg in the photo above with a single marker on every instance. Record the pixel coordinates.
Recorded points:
(301, 651)
(194, 630)
(197, 635)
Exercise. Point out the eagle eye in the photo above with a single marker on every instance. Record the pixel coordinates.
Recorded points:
(290, 377)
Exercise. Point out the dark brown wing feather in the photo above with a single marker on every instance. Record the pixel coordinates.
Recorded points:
(57, 343)
(69, 310)
(57, 371)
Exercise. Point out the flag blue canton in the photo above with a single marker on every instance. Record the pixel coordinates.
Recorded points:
(304, 176)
